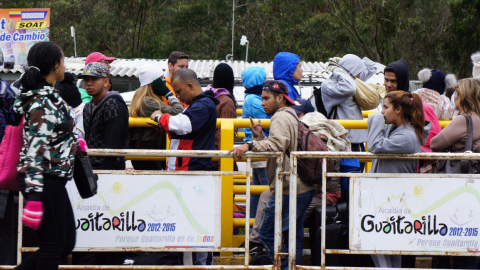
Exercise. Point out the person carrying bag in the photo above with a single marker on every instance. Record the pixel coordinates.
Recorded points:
(368, 95)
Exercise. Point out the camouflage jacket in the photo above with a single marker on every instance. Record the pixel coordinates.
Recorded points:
(48, 147)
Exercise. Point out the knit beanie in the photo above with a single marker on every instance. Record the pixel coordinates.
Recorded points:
(69, 91)
(436, 80)
(223, 77)
(476, 64)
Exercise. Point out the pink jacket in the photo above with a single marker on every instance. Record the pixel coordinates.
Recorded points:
(431, 117)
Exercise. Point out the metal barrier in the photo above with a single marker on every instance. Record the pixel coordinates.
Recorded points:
(226, 206)
(227, 140)
(324, 155)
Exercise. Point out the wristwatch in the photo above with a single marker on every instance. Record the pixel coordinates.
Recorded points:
(250, 146)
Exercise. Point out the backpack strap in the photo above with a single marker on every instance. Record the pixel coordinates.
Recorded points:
(468, 141)
(296, 117)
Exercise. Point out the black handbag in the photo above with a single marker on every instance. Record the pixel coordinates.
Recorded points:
(461, 166)
(83, 175)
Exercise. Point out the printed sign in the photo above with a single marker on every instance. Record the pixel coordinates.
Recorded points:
(20, 29)
(415, 214)
(149, 211)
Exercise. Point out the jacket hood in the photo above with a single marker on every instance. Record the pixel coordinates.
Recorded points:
(26, 97)
(400, 68)
(284, 65)
(207, 94)
(352, 63)
(253, 76)
(218, 91)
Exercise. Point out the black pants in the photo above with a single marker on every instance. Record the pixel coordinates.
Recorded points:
(7, 231)
(56, 234)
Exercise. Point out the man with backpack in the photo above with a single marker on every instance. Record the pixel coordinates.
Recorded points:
(284, 133)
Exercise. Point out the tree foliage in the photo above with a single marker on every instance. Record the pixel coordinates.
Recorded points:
(426, 33)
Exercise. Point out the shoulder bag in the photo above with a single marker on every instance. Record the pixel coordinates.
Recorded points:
(9, 156)
(367, 95)
(83, 175)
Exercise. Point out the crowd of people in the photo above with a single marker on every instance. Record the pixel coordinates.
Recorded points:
(50, 103)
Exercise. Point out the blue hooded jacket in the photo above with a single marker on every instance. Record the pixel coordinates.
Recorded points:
(284, 65)
(252, 79)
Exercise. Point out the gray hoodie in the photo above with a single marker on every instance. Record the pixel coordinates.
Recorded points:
(390, 140)
(338, 90)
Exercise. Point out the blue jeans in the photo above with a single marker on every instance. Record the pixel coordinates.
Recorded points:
(266, 230)
(259, 177)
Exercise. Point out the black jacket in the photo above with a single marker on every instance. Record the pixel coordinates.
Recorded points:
(106, 126)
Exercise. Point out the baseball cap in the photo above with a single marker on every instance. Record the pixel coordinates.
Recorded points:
(95, 69)
(148, 73)
(97, 57)
(302, 106)
(277, 87)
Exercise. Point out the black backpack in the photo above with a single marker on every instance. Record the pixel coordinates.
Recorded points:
(317, 93)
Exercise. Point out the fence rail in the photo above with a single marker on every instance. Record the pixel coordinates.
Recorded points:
(325, 155)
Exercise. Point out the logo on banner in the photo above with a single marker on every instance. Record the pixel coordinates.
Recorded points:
(28, 15)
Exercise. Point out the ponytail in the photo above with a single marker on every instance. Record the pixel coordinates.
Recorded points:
(418, 117)
(42, 58)
(412, 108)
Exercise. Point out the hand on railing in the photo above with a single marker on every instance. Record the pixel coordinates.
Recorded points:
(237, 152)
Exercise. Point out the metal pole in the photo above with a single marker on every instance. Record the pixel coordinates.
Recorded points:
(75, 44)
(247, 212)
(233, 24)
(292, 235)
(324, 210)
(20, 229)
(246, 56)
(277, 241)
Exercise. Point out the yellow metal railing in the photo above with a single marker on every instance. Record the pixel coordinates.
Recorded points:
(230, 183)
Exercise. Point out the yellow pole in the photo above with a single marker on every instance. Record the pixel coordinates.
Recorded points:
(226, 164)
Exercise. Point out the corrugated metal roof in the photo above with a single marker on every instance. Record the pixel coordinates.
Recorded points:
(204, 68)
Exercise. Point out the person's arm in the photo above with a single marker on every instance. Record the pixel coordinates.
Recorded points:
(379, 142)
(455, 131)
(40, 132)
(184, 123)
(339, 87)
(174, 108)
(116, 129)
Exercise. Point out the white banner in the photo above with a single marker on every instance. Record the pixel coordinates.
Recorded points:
(149, 211)
(415, 214)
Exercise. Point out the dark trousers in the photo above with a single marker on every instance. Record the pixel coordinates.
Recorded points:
(7, 231)
(56, 234)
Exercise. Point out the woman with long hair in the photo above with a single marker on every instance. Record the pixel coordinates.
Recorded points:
(46, 159)
(452, 139)
(144, 103)
(398, 129)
